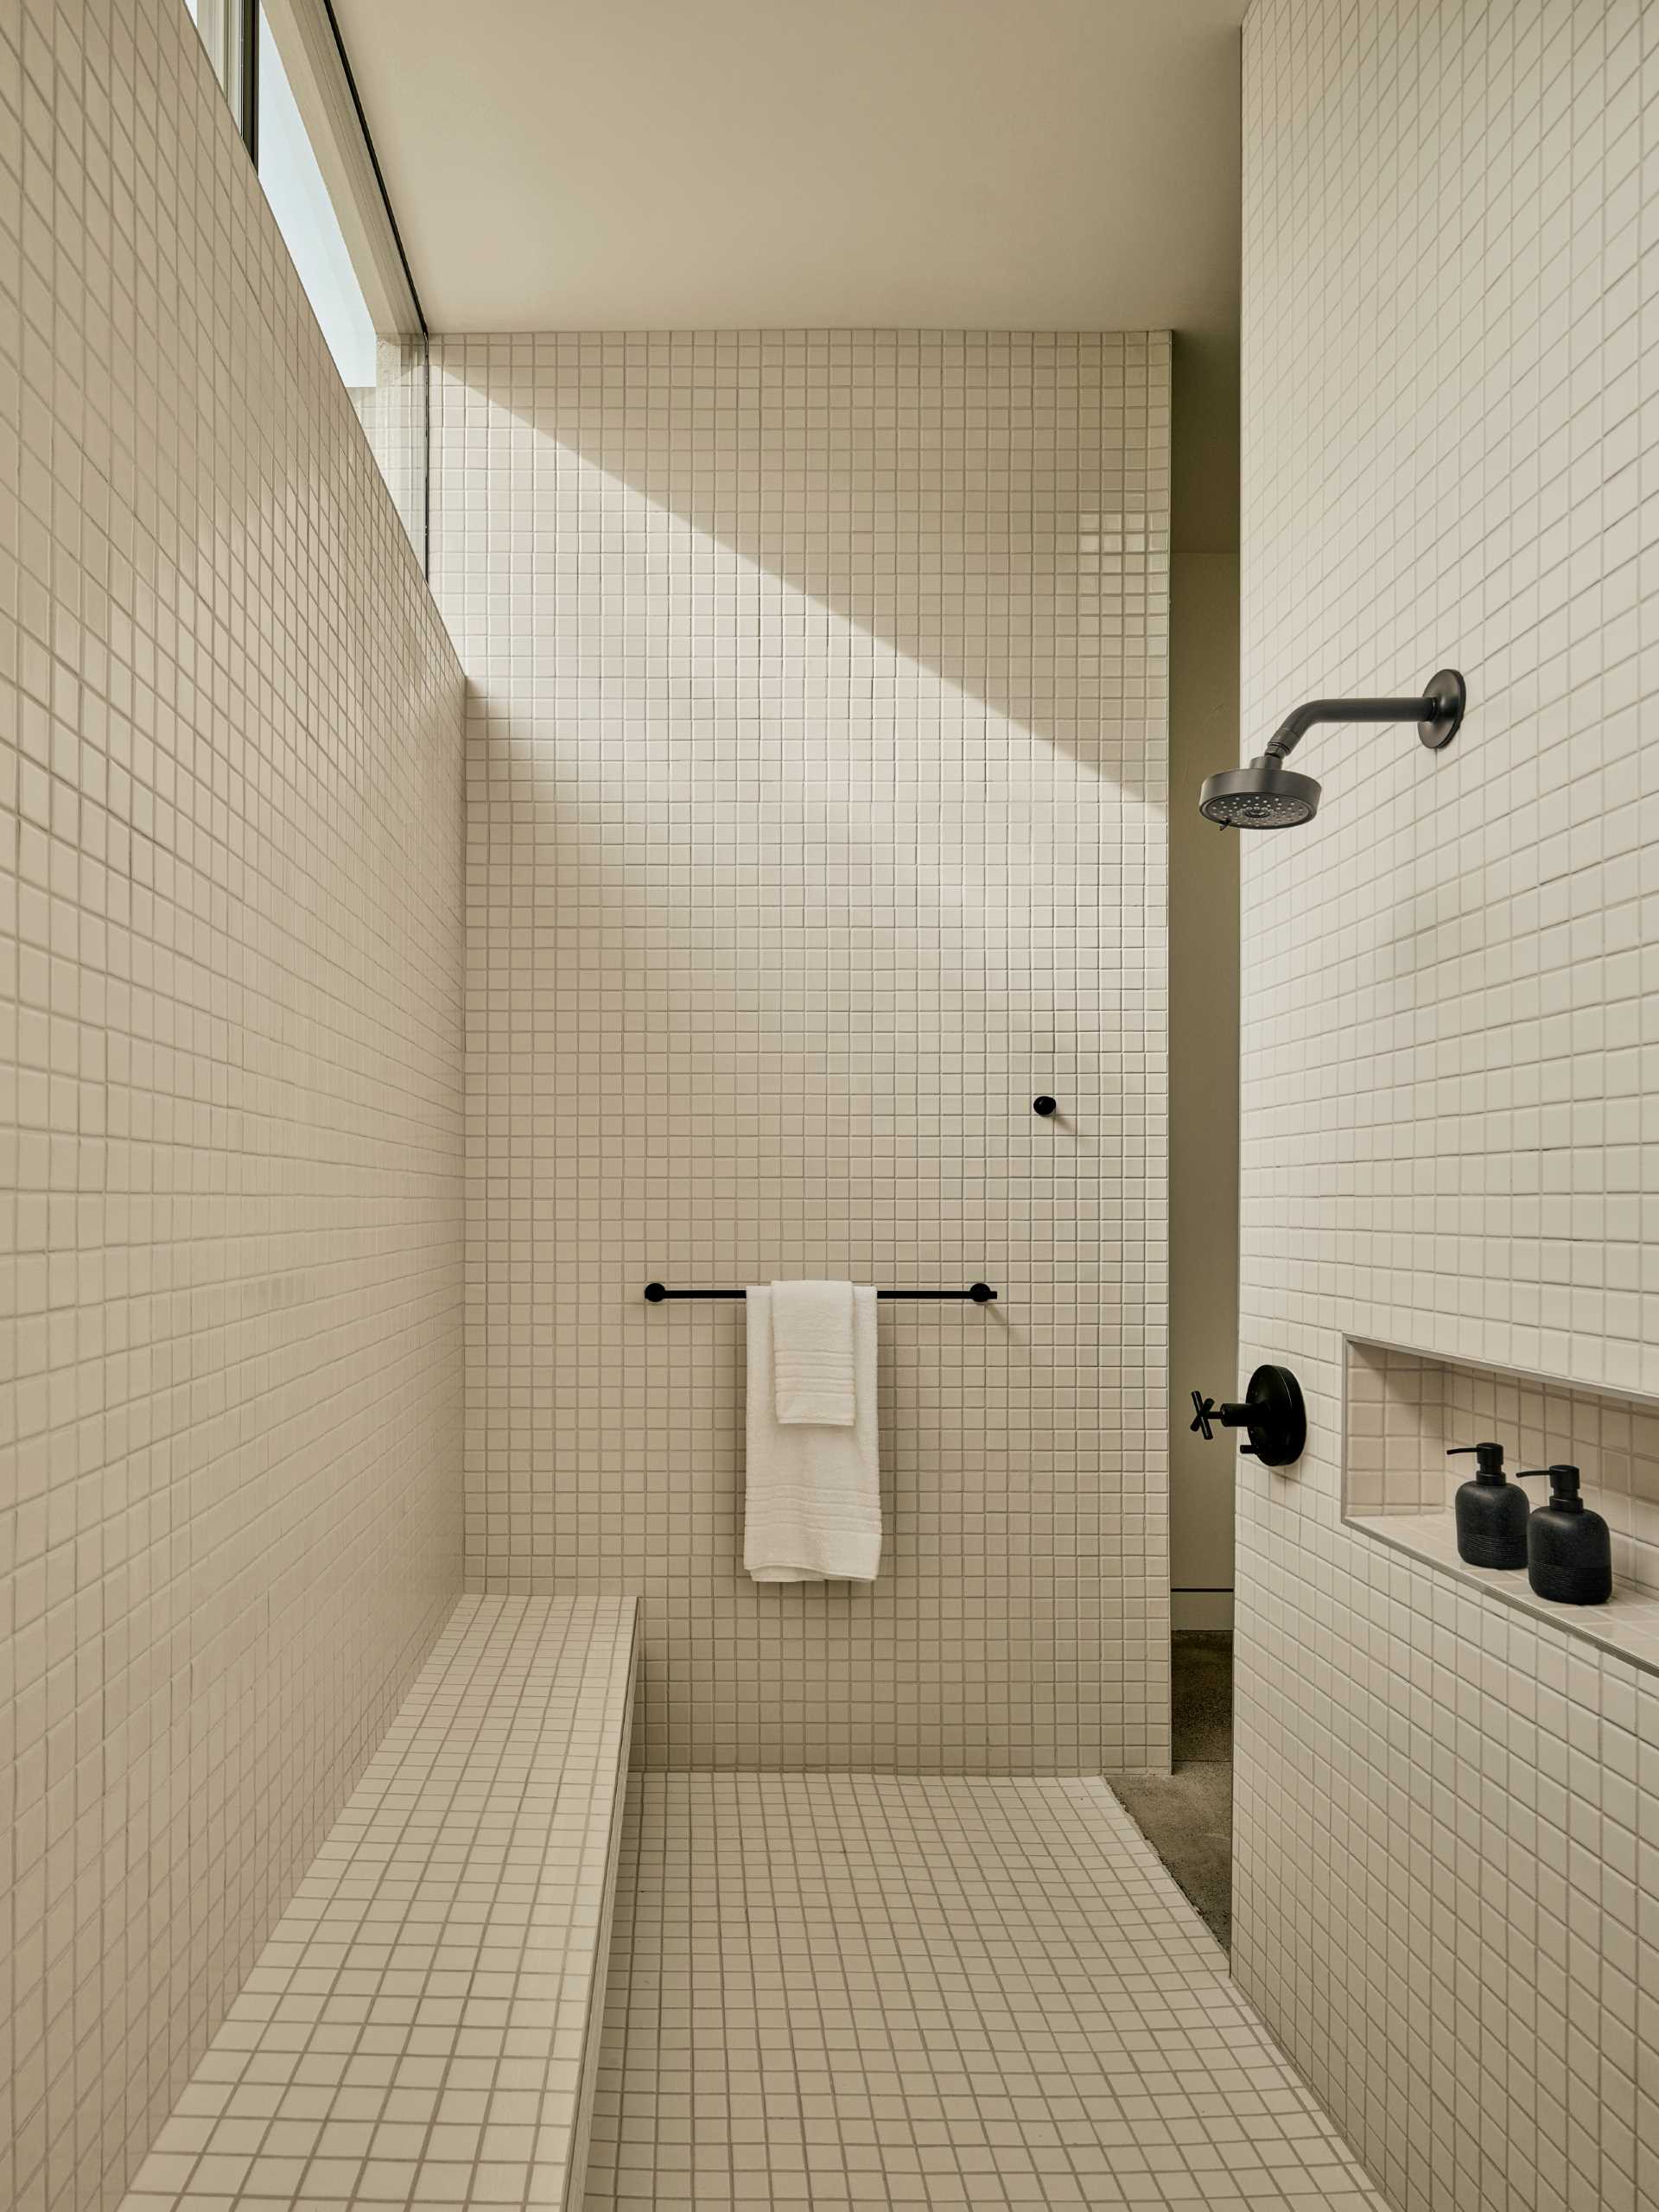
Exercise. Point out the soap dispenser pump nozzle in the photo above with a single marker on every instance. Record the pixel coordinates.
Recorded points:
(1489, 1460)
(1564, 1489)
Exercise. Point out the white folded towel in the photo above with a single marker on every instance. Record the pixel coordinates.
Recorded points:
(813, 1380)
(812, 1494)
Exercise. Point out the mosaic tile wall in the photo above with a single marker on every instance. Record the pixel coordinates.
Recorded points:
(230, 801)
(815, 819)
(1447, 1889)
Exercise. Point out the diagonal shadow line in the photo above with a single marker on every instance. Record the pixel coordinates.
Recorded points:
(1037, 589)
(874, 902)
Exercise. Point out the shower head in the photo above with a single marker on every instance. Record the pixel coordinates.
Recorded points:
(1264, 795)
(1269, 796)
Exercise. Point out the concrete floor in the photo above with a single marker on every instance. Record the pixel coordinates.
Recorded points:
(1187, 1816)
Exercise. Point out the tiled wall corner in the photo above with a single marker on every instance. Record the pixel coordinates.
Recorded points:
(1396, 1437)
(231, 855)
(393, 413)
(1447, 1814)
(816, 821)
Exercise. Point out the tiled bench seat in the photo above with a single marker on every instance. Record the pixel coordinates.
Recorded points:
(423, 2027)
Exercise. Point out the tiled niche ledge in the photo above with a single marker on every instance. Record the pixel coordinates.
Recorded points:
(1403, 1410)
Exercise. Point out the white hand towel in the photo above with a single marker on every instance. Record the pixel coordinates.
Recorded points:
(812, 1495)
(813, 1379)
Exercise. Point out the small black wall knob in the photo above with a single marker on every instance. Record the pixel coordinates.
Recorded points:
(1045, 1105)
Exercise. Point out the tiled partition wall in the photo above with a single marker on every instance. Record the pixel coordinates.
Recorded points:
(1448, 1816)
(817, 760)
(231, 745)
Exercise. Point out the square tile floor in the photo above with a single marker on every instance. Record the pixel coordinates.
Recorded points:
(863, 1990)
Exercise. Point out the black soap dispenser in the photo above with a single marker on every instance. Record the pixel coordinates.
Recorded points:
(1569, 1552)
(1492, 1513)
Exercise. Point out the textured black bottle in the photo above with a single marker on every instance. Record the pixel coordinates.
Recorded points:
(1569, 1552)
(1492, 1513)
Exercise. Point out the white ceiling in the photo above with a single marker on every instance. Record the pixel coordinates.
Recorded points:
(622, 164)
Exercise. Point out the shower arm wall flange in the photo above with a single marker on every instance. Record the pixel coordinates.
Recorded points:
(1437, 714)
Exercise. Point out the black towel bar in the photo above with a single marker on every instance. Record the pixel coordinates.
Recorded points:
(979, 1293)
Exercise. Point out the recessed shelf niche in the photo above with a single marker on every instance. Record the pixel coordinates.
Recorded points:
(1402, 1411)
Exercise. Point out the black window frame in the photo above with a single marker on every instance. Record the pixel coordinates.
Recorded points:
(230, 31)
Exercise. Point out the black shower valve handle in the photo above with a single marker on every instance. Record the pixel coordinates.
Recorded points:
(1206, 1411)
(1272, 1412)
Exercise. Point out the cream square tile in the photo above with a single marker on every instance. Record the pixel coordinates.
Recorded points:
(816, 824)
(231, 1124)
(1446, 990)
(493, 1805)
(851, 1989)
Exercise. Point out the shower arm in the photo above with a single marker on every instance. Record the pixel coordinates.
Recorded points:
(1436, 714)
